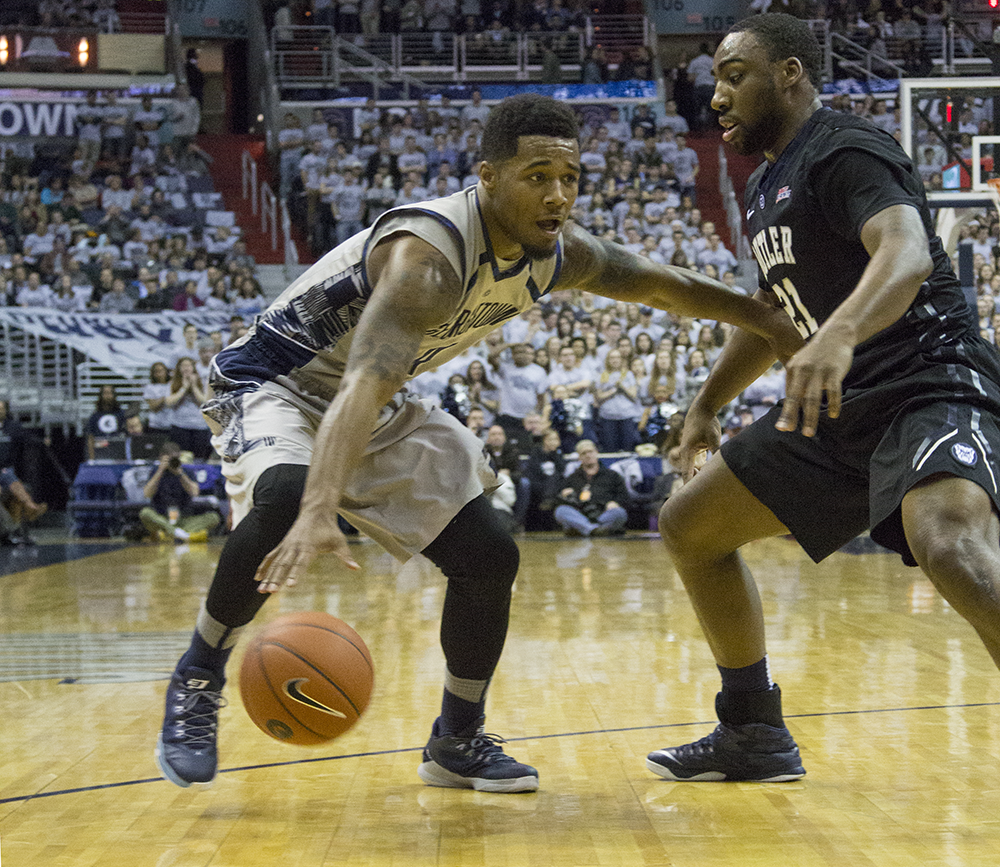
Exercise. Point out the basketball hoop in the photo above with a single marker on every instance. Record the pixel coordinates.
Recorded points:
(994, 191)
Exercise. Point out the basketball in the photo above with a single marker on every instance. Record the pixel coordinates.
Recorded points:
(306, 678)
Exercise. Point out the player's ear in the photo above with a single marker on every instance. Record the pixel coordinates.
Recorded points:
(488, 176)
(793, 72)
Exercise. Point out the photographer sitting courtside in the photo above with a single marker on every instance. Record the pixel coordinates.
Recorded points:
(170, 490)
(594, 499)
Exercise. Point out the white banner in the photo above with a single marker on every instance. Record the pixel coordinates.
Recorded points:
(123, 342)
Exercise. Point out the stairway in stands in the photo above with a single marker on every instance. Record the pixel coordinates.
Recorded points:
(706, 145)
(227, 175)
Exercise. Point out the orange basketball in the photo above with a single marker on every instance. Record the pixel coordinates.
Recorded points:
(306, 678)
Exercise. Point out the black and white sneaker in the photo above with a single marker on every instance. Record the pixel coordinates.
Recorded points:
(473, 760)
(186, 750)
(754, 752)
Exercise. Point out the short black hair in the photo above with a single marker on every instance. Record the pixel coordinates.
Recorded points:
(525, 114)
(784, 36)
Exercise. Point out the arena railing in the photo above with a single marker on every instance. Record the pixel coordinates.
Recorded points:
(307, 55)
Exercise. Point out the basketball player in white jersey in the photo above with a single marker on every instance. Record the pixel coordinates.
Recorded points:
(312, 420)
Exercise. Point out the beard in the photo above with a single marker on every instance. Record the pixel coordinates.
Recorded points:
(536, 253)
(756, 136)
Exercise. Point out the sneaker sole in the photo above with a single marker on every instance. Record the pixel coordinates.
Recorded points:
(434, 775)
(170, 775)
(718, 776)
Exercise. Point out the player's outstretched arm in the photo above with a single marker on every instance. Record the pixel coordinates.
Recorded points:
(608, 269)
(416, 288)
(900, 261)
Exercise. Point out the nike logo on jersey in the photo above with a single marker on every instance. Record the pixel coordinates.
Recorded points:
(751, 212)
(292, 690)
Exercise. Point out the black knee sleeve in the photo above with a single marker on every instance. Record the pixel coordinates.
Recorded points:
(233, 599)
(480, 560)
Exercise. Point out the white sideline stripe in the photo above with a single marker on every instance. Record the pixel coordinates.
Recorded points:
(933, 448)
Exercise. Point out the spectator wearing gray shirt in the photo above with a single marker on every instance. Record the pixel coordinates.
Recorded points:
(685, 166)
(379, 197)
(349, 206)
(117, 300)
(115, 119)
(115, 195)
(88, 129)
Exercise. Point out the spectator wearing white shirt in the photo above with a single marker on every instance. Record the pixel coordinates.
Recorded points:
(88, 130)
(451, 183)
(143, 160)
(348, 206)
(571, 374)
(114, 194)
(38, 241)
(699, 72)
(672, 120)
(617, 127)
(520, 386)
(148, 119)
(411, 192)
(318, 128)
(982, 244)
(115, 119)
(34, 293)
(646, 324)
(475, 110)
(368, 117)
(686, 167)
(291, 139)
(716, 254)
(186, 115)
(412, 159)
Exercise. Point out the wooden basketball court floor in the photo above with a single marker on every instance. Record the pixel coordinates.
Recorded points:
(894, 703)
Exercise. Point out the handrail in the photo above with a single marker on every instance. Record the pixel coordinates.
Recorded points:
(269, 212)
(870, 58)
(248, 167)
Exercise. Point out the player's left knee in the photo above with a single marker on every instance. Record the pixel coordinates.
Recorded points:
(493, 570)
(960, 563)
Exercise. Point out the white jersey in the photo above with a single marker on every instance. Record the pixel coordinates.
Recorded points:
(301, 342)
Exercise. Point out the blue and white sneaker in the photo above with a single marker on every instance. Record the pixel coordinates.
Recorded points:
(186, 750)
(473, 760)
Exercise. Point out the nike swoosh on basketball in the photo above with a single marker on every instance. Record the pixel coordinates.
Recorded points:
(293, 691)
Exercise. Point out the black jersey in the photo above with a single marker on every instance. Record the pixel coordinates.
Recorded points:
(805, 214)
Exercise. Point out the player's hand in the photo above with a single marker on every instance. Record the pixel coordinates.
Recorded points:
(702, 434)
(816, 372)
(308, 537)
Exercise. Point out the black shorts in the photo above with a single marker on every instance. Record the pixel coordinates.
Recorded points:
(941, 416)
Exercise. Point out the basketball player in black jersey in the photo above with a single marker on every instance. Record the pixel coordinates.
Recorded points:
(890, 419)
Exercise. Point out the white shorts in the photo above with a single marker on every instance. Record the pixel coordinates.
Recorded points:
(420, 469)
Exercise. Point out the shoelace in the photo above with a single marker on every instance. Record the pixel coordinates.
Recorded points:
(200, 719)
(489, 747)
(703, 747)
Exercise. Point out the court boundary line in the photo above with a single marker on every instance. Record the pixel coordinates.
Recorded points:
(314, 759)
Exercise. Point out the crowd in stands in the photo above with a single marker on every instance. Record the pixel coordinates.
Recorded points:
(51, 14)
(123, 221)
(491, 17)
(110, 230)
